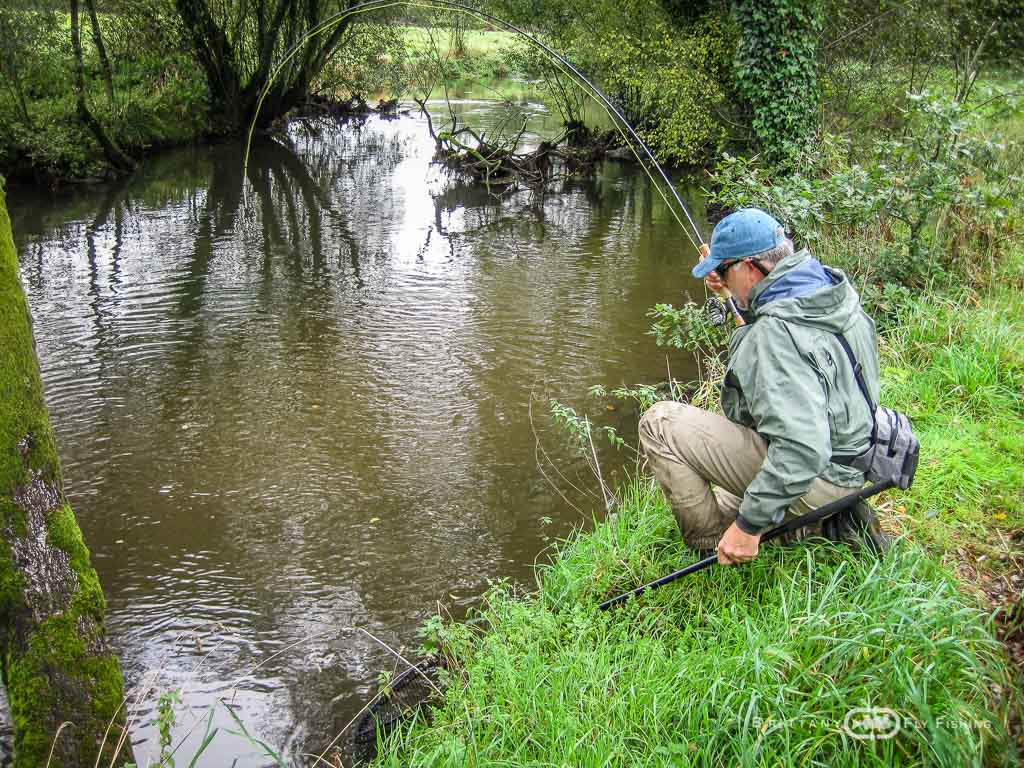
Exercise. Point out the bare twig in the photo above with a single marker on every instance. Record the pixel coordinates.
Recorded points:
(539, 449)
(609, 498)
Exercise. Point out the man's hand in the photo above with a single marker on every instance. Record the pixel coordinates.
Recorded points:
(737, 547)
(715, 284)
(712, 281)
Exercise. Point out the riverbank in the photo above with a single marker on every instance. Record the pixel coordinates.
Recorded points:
(160, 101)
(764, 664)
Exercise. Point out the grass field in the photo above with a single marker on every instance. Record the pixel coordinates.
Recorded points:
(958, 369)
(479, 42)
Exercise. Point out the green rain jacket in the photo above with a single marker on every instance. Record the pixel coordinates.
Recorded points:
(790, 380)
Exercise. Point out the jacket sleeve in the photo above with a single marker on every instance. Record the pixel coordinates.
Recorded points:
(788, 403)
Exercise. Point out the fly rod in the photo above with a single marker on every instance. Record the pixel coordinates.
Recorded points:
(618, 119)
(814, 516)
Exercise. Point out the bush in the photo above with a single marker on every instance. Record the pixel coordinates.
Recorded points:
(667, 79)
(911, 207)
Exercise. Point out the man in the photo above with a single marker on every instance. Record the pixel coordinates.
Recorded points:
(790, 398)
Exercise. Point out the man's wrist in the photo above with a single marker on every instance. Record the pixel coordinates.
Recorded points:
(747, 527)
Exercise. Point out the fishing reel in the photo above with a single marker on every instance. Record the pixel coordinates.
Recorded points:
(714, 308)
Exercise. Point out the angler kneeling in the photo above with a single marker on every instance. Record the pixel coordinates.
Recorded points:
(797, 398)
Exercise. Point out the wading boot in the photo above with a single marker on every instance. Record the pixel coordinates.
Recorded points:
(858, 526)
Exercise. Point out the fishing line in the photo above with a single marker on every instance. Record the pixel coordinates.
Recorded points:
(565, 66)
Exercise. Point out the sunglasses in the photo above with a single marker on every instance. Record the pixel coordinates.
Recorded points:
(724, 267)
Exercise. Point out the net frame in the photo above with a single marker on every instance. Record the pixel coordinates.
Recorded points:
(395, 703)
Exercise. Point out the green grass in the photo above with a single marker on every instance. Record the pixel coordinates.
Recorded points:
(957, 368)
(953, 358)
(748, 666)
(479, 42)
(486, 54)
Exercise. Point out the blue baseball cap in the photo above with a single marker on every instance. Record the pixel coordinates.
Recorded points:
(740, 234)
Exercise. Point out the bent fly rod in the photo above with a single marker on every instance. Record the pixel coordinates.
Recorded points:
(814, 516)
(622, 125)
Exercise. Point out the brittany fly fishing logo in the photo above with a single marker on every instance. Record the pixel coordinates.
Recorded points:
(872, 723)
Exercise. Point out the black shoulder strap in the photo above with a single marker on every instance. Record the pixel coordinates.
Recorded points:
(858, 373)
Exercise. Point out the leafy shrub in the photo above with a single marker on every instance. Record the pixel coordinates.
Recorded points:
(667, 79)
(371, 59)
(904, 206)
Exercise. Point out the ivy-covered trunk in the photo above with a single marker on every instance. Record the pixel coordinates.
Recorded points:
(777, 70)
(56, 663)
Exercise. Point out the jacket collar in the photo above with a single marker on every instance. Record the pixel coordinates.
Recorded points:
(772, 277)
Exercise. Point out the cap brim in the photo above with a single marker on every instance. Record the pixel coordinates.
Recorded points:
(704, 268)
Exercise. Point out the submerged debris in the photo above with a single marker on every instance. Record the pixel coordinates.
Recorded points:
(344, 110)
(494, 160)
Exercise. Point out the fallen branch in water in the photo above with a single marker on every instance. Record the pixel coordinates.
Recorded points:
(495, 161)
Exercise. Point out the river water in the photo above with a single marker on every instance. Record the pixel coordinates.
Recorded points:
(294, 409)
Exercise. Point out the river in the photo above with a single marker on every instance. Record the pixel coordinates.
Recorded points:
(294, 409)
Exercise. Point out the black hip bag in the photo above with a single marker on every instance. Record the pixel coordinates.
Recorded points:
(893, 450)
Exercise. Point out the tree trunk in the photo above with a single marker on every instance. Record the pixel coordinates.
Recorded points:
(101, 49)
(234, 82)
(216, 56)
(56, 664)
(777, 71)
(111, 151)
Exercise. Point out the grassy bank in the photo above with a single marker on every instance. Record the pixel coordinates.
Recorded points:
(748, 666)
(486, 53)
(761, 665)
(956, 365)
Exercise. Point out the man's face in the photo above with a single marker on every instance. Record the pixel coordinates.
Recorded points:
(739, 277)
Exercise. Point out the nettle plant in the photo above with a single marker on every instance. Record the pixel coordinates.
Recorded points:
(920, 194)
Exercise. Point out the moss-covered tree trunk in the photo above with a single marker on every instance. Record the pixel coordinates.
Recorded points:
(56, 664)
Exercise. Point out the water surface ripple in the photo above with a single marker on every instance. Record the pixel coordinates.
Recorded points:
(296, 404)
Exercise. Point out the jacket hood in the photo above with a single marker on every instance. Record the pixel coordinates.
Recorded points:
(800, 290)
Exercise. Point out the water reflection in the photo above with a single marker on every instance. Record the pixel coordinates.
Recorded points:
(295, 404)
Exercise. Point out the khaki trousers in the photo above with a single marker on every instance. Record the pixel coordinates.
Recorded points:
(690, 450)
